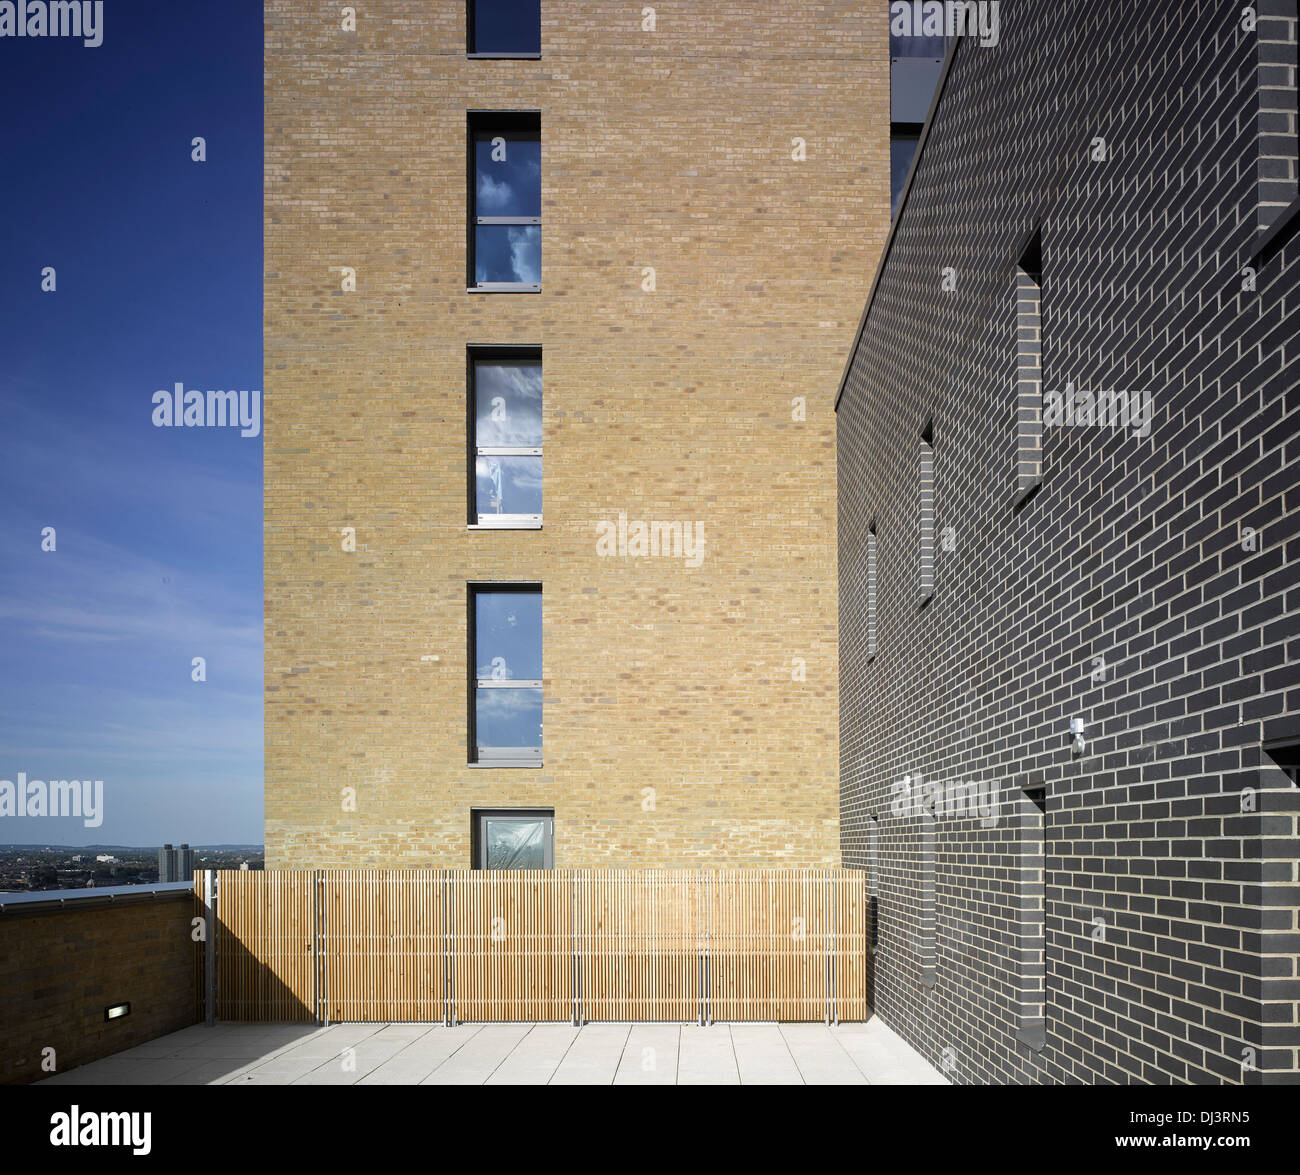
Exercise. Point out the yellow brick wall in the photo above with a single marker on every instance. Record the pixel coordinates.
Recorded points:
(669, 149)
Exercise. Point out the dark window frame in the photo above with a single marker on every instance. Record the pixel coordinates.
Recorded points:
(474, 589)
(471, 41)
(1031, 918)
(504, 352)
(1028, 307)
(873, 554)
(926, 914)
(478, 815)
(1277, 86)
(1284, 755)
(926, 512)
(900, 132)
(873, 861)
(487, 122)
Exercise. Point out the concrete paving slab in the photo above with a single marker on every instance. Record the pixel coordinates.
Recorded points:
(594, 1056)
(884, 1057)
(283, 1070)
(762, 1056)
(649, 1055)
(212, 1073)
(478, 1058)
(411, 1054)
(820, 1058)
(113, 1071)
(536, 1058)
(706, 1057)
(421, 1057)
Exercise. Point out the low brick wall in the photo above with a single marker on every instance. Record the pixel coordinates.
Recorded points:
(60, 967)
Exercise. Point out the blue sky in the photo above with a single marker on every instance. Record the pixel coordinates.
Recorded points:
(158, 555)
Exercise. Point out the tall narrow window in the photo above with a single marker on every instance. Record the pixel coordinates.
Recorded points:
(1031, 918)
(505, 395)
(873, 857)
(871, 591)
(1278, 126)
(904, 137)
(1029, 370)
(915, 63)
(505, 658)
(505, 175)
(504, 28)
(925, 929)
(926, 504)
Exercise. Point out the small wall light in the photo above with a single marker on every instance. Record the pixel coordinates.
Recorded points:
(1077, 727)
(117, 1011)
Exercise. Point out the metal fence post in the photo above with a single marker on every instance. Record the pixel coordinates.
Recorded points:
(708, 968)
(318, 962)
(834, 961)
(582, 978)
(209, 947)
(826, 959)
(573, 944)
(447, 1001)
(698, 889)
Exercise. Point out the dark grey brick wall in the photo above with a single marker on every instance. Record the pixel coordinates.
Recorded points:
(1141, 926)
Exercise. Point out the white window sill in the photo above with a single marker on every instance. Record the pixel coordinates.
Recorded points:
(496, 763)
(504, 288)
(509, 526)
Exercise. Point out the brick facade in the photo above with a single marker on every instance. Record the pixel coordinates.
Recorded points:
(59, 970)
(717, 687)
(1144, 584)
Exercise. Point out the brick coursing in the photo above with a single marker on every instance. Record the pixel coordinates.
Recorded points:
(60, 969)
(716, 687)
(1147, 586)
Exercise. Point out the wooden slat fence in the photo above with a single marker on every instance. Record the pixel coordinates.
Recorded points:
(266, 951)
(511, 944)
(571, 945)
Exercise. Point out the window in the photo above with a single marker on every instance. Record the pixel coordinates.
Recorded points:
(873, 848)
(1285, 757)
(505, 396)
(908, 41)
(916, 51)
(871, 591)
(1029, 369)
(505, 174)
(505, 658)
(1031, 930)
(903, 140)
(925, 929)
(504, 28)
(1278, 127)
(514, 838)
(926, 505)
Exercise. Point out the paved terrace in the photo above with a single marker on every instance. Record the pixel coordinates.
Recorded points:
(516, 1054)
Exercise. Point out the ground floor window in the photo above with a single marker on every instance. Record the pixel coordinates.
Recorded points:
(514, 838)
